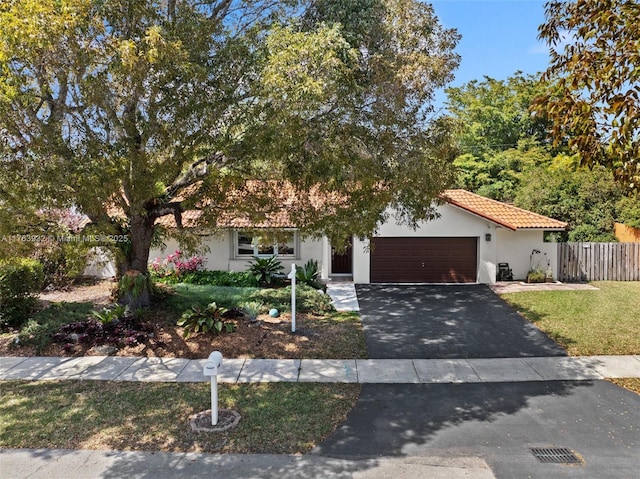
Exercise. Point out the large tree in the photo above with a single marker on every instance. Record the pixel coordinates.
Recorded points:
(494, 114)
(131, 110)
(588, 200)
(595, 53)
(497, 136)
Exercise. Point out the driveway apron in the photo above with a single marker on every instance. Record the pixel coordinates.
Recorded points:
(446, 322)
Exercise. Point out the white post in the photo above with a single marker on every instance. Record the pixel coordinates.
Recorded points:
(211, 368)
(292, 277)
(214, 400)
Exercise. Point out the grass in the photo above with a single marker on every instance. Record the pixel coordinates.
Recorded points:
(606, 321)
(38, 329)
(277, 418)
(632, 384)
(307, 298)
(189, 295)
(347, 338)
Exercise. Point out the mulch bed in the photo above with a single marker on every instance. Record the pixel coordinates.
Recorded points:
(266, 338)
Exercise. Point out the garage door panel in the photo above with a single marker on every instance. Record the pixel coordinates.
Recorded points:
(424, 260)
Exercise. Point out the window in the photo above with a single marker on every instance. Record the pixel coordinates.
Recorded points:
(248, 245)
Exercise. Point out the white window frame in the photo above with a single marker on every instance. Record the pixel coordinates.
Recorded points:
(236, 244)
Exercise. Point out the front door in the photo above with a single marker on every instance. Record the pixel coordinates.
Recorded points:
(342, 263)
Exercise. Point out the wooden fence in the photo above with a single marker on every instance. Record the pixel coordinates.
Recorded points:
(598, 262)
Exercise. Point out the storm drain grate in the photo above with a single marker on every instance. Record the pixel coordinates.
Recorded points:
(555, 455)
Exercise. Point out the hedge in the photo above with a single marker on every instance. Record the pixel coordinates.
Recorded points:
(20, 280)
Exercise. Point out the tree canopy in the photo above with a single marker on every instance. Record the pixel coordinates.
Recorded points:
(589, 200)
(494, 114)
(505, 155)
(130, 110)
(497, 136)
(595, 55)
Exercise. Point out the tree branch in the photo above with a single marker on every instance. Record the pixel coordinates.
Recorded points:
(174, 208)
(220, 11)
(197, 171)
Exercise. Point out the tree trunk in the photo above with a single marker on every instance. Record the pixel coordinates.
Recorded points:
(135, 285)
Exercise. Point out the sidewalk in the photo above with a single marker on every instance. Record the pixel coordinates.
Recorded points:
(84, 464)
(379, 371)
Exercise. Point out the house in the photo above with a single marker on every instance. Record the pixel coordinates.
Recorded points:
(464, 245)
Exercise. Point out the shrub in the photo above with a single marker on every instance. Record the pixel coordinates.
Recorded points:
(243, 279)
(199, 320)
(175, 266)
(20, 280)
(266, 270)
(309, 274)
(38, 330)
(61, 262)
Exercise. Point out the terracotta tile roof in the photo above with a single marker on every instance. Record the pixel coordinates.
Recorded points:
(503, 214)
(190, 219)
(232, 215)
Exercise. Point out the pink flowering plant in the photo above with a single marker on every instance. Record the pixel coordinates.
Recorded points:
(176, 266)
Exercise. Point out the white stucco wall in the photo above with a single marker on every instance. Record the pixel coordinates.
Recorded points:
(100, 264)
(515, 248)
(452, 222)
(220, 256)
(506, 246)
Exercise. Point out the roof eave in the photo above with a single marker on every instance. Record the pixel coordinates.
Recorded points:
(497, 221)
(543, 228)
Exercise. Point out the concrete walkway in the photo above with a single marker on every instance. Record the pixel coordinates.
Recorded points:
(379, 371)
(503, 287)
(343, 295)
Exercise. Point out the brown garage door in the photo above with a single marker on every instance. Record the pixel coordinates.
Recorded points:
(424, 260)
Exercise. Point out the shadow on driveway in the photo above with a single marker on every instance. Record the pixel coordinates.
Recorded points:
(446, 322)
(499, 422)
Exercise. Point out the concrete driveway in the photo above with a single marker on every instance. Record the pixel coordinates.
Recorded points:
(445, 322)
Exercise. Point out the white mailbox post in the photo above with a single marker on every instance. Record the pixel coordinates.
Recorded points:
(212, 368)
(292, 277)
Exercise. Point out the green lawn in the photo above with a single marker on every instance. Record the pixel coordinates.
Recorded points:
(188, 295)
(307, 298)
(586, 322)
(277, 418)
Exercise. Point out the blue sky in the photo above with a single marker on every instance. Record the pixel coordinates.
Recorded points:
(499, 37)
